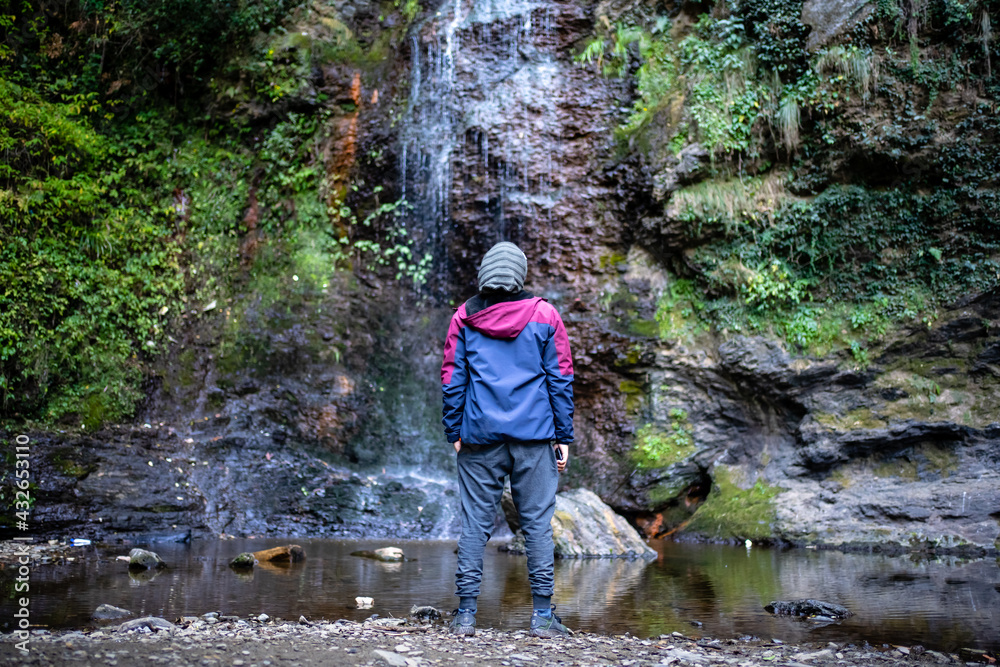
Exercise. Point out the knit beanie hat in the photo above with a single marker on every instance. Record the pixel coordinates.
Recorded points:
(504, 268)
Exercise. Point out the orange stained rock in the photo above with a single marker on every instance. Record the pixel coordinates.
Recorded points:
(356, 88)
(342, 150)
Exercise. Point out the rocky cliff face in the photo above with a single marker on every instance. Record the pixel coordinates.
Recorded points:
(322, 417)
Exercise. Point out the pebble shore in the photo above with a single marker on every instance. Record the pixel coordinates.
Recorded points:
(216, 640)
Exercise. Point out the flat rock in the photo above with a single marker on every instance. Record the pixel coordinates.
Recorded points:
(394, 659)
(807, 607)
(152, 622)
(107, 612)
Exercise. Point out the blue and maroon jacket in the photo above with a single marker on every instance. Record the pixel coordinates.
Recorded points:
(507, 373)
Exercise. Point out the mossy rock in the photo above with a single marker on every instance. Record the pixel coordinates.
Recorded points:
(731, 512)
(245, 561)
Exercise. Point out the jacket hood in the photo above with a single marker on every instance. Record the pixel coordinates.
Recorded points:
(504, 320)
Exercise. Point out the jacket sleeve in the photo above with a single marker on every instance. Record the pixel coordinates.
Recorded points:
(558, 364)
(454, 378)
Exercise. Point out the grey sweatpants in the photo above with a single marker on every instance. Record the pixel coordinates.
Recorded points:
(533, 482)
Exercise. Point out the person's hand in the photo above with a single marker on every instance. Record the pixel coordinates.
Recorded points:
(457, 445)
(561, 464)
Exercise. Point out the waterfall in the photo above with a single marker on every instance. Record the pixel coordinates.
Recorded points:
(475, 134)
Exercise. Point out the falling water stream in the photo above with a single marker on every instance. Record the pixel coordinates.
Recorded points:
(483, 77)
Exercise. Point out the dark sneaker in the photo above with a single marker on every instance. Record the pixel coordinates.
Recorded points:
(550, 626)
(464, 623)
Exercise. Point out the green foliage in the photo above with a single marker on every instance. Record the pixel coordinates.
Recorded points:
(838, 270)
(778, 34)
(85, 266)
(772, 286)
(391, 246)
(656, 448)
(844, 262)
(126, 210)
(190, 36)
(731, 512)
(709, 71)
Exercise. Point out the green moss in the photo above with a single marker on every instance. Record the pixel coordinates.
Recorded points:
(860, 418)
(612, 261)
(634, 395)
(648, 328)
(69, 467)
(665, 493)
(731, 512)
(657, 448)
(631, 358)
(679, 311)
(917, 462)
(898, 468)
(842, 477)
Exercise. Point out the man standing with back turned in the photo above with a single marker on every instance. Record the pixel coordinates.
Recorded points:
(507, 380)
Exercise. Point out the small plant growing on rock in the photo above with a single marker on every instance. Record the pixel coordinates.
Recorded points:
(656, 448)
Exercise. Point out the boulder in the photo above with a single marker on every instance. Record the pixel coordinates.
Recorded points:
(244, 561)
(140, 559)
(807, 608)
(584, 527)
(107, 612)
(291, 553)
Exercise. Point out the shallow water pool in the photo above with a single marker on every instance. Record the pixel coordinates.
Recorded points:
(699, 590)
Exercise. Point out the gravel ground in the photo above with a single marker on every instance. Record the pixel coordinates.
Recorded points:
(262, 642)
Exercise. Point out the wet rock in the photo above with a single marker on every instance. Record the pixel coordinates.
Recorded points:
(144, 576)
(107, 612)
(149, 623)
(291, 553)
(424, 613)
(584, 527)
(808, 607)
(244, 561)
(141, 559)
(975, 655)
(385, 554)
(830, 18)
(389, 554)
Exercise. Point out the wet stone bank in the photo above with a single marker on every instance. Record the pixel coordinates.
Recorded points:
(264, 642)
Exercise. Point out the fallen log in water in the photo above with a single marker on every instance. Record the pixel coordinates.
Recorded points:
(291, 553)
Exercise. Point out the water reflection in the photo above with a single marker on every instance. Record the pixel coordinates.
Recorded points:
(695, 589)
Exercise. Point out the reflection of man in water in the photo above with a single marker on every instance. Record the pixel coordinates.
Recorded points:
(507, 379)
